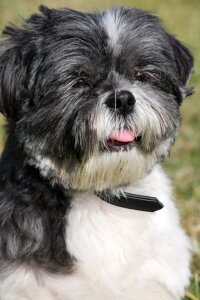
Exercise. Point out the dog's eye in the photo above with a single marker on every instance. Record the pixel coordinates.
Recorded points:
(81, 84)
(138, 76)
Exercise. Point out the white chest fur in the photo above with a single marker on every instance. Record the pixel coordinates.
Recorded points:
(121, 250)
(120, 253)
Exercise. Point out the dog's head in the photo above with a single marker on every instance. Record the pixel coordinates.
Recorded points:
(94, 98)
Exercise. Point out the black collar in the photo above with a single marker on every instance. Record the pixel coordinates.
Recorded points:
(131, 201)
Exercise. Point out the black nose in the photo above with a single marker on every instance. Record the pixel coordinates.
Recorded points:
(122, 101)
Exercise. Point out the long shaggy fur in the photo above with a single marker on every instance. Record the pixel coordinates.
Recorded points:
(60, 77)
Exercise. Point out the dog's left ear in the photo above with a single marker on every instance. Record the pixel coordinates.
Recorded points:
(183, 61)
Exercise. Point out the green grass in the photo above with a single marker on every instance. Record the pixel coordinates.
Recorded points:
(181, 17)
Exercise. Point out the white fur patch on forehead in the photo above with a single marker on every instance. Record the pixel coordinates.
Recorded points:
(115, 27)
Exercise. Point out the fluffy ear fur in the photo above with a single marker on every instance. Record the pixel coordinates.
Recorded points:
(18, 63)
(16, 54)
(184, 63)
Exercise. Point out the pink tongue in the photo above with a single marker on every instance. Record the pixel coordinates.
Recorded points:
(124, 136)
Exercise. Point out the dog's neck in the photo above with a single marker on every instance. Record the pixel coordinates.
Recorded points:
(15, 170)
(18, 166)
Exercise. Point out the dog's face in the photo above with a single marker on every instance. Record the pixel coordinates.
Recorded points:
(94, 99)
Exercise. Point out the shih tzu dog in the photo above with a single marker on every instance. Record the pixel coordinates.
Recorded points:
(92, 103)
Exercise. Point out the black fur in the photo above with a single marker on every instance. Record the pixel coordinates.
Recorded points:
(42, 67)
(32, 215)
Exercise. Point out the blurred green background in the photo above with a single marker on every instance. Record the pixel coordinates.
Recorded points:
(182, 18)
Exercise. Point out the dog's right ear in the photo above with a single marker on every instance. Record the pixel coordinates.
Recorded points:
(7, 77)
(16, 53)
(20, 54)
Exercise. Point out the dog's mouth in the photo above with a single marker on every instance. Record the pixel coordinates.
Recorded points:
(122, 141)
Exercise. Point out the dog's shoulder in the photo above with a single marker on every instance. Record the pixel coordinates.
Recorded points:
(32, 217)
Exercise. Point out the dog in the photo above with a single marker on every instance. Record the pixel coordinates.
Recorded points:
(93, 106)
